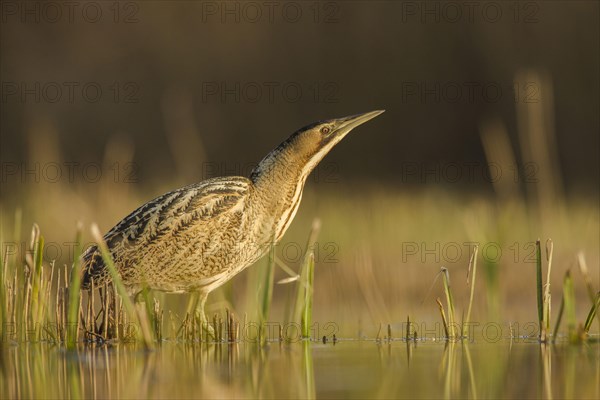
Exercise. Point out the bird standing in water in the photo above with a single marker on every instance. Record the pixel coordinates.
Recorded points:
(196, 238)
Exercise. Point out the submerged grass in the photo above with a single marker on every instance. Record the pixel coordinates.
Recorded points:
(472, 381)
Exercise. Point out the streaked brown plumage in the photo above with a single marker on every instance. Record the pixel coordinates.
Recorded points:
(197, 237)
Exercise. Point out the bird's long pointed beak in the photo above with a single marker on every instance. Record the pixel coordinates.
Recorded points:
(351, 122)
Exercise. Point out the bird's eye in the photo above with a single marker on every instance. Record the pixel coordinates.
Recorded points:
(325, 130)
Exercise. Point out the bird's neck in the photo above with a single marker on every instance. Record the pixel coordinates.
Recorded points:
(282, 169)
(279, 180)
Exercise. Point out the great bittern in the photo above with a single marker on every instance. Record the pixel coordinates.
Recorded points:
(198, 237)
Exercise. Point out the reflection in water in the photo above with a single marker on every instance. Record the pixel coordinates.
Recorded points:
(546, 360)
(303, 370)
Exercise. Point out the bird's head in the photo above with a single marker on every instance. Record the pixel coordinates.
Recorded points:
(316, 140)
(304, 149)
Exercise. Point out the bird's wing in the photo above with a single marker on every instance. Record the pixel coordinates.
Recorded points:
(165, 216)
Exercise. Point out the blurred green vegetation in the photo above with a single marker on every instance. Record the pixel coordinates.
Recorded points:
(376, 256)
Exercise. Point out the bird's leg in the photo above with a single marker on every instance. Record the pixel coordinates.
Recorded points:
(205, 326)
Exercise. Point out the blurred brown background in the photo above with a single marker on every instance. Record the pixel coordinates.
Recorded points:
(243, 76)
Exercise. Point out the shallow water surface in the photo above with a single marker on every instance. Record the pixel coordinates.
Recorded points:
(346, 369)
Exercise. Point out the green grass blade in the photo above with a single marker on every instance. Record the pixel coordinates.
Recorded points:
(450, 303)
(586, 277)
(473, 267)
(592, 314)
(306, 320)
(300, 287)
(148, 311)
(74, 289)
(3, 283)
(539, 284)
(569, 307)
(268, 284)
(558, 318)
(36, 277)
(266, 291)
(443, 314)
